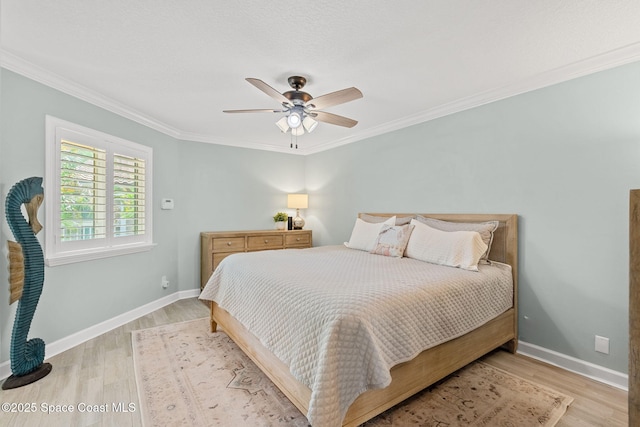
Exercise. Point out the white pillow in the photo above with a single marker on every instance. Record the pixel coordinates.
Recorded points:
(486, 229)
(365, 234)
(461, 249)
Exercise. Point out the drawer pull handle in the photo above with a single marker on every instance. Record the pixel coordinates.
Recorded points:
(266, 241)
(228, 243)
(298, 239)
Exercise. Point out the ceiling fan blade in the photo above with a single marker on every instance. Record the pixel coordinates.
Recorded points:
(269, 90)
(263, 110)
(334, 98)
(334, 119)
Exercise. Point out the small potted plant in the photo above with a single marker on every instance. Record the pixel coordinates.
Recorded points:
(281, 220)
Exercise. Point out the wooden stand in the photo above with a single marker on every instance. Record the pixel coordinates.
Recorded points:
(634, 308)
(33, 376)
(216, 245)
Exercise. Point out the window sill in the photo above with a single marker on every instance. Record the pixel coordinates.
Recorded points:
(89, 255)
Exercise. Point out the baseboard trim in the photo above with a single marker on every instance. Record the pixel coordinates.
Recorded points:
(581, 367)
(91, 332)
(586, 369)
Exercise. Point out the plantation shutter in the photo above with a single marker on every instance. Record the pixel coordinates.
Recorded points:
(129, 198)
(98, 194)
(83, 192)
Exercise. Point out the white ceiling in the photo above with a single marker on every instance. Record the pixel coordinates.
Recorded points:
(175, 65)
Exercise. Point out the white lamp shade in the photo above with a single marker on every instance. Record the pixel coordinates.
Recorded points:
(282, 124)
(298, 201)
(297, 131)
(309, 124)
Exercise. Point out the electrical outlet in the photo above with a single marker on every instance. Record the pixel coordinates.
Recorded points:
(165, 282)
(602, 344)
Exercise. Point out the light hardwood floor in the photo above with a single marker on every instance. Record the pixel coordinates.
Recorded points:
(99, 373)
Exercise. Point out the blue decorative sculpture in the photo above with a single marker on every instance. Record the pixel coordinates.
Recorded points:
(26, 278)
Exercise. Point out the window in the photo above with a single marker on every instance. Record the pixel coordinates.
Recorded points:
(97, 194)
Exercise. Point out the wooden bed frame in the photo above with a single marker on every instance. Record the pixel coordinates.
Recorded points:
(429, 366)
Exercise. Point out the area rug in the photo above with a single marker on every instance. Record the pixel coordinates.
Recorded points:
(188, 376)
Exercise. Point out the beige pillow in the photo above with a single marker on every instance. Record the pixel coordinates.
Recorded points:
(364, 234)
(400, 220)
(485, 229)
(461, 249)
(392, 240)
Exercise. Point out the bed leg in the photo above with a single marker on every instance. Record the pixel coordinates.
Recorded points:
(214, 324)
(511, 346)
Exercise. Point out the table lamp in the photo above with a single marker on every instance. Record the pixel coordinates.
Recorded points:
(297, 202)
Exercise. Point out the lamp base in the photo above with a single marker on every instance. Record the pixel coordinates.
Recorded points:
(298, 223)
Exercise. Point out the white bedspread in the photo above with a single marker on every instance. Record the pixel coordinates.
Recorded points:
(342, 318)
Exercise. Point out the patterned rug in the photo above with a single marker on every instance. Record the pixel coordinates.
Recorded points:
(188, 376)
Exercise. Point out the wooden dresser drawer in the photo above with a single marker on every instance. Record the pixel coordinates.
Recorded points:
(267, 241)
(298, 240)
(228, 244)
(217, 245)
(220, 256)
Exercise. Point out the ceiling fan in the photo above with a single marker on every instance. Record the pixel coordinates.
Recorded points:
(302, 111)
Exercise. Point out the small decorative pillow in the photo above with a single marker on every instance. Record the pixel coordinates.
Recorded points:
(392, 240)
(461, 249)
(485, 229)
(364, 234)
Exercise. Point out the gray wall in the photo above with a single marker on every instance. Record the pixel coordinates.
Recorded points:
(3, 275)
(563, 158)
(214, 188)
(227, 188)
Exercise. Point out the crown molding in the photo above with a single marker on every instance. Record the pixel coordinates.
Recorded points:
(18, 65)
(607, 60)
(27, 69)
(602, 62)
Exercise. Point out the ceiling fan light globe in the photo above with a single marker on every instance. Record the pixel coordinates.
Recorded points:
(294, 120)
(282, 124)
(309, 124)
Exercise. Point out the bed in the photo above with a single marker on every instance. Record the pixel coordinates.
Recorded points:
(317, 370)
